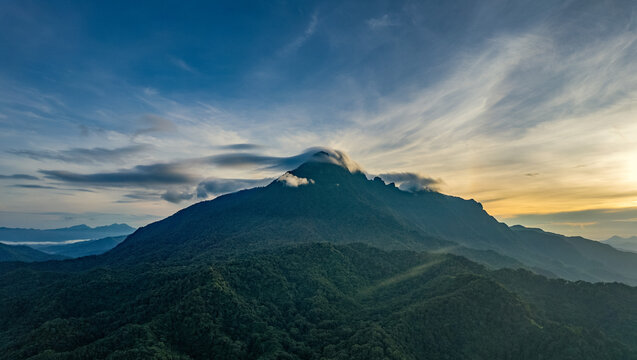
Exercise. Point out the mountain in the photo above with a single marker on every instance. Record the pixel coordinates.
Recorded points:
(83, 248)
(25, 253)
(76, 232)
(621, 243)
(324, 263)
(337, 206)
(327, 199)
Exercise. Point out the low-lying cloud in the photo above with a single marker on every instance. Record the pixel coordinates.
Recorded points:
(291, 180)
(412, 182)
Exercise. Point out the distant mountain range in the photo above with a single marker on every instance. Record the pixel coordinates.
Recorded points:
(32, 245)
(324, 263)
(621, 243)
(82, 248)
(77, 232)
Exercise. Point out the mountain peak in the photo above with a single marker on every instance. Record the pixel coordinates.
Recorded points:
(336, 157)
(325, 166)
(79, 227)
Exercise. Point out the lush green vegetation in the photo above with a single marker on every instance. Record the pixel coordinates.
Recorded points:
(313, 301)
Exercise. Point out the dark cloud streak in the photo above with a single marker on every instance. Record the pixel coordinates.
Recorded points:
(33, 186)
(243, 146)
(19, 177)
(268, 162)
(176, 197)
(141, 175)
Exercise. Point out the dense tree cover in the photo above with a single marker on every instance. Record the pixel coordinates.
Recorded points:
(312, 301)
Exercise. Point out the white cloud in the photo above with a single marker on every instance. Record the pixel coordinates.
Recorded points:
(380, 22)
(182, 65)
(302, 38)
(294, 181)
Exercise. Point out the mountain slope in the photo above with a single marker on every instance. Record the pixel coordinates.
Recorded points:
(25, 253)
(309, 301)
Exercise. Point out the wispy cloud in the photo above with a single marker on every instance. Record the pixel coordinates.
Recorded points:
(153, 123)
(81, 155)
(48, 187)
(182, 65)
(295, 44)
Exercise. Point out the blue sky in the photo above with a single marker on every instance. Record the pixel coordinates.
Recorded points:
(113, 111)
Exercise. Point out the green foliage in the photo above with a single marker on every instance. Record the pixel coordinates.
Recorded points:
(313, 301)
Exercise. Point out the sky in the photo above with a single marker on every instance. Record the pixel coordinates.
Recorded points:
(116, 111)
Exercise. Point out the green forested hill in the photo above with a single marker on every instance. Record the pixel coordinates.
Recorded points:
(25, 253)
(312, 301)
